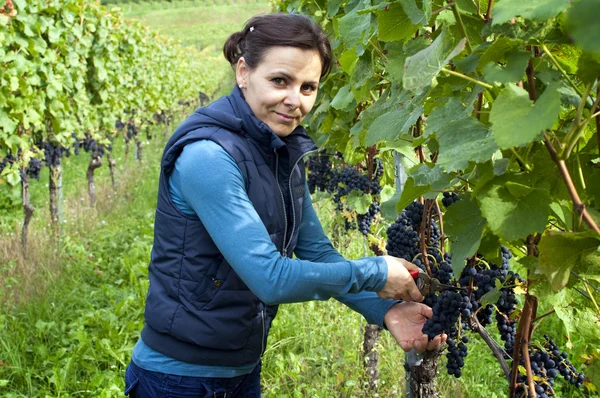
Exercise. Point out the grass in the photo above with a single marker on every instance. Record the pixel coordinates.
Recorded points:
(204, 27)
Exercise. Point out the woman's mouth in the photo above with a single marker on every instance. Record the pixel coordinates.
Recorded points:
(285, 118)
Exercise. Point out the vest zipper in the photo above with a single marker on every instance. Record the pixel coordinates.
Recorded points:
(284, 252)
(292, 200)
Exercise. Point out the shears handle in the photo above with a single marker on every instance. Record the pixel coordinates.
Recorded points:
(421, 280)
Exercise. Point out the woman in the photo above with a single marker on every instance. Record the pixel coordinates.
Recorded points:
(232, 209)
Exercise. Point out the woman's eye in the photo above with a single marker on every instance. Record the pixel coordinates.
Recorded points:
(308, 87)
(278, 81)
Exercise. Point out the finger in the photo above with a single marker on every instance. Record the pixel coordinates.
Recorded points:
(426, 311)
(435, 343)
(410, 266)
(406, 345)
(420, 344)
(415, 294)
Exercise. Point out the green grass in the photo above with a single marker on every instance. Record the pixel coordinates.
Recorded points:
(204, 27)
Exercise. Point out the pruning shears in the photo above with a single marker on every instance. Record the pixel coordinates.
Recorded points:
(427, 284)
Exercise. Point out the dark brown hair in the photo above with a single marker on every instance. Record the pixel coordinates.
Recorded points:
(265, 31)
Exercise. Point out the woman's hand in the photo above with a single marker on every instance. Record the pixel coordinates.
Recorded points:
(400, 285)
(405, 322)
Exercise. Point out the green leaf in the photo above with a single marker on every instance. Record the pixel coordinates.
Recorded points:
(561, 251)
(442, 116)
(516, 121)
(359, 201)
(421, 68)
(409, 194)
(387, 193)
(464, 141)
(518, 190)
(3, 383)
(582, 24)
(464, 225)
(433, 176)
(388, 207)
(7, 124)
(533, 10)
(416, 15)
(588, 67)
(392, 124)
(512, 217)
(512, 72)
(394, 24)
(398, 52)
(353, 27)
(343, 98)
(490, 297)
(498, 51)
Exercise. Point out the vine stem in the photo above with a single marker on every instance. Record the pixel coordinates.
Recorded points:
(458, 74)
(530, 382)
(441, 218)
(598, 116)
(496, 350)
(443, 8)
(566, 176)
(488, 15)
(522, 340)
(562, 71)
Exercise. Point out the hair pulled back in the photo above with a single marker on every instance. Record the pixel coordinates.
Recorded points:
(287, 30)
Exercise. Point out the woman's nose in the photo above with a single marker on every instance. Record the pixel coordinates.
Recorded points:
(292, 99)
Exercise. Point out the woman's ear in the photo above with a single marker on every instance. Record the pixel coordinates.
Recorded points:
(241, 72)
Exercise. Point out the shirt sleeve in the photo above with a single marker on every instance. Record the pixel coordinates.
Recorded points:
(211, 184)
(314, 245)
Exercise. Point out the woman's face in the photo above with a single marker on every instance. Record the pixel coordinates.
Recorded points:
(282, 89)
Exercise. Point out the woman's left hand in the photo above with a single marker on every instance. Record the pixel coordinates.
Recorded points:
(405, 322)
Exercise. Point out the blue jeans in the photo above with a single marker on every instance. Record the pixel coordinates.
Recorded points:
(141, 383)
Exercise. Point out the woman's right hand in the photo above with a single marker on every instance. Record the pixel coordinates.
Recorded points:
(400, 285)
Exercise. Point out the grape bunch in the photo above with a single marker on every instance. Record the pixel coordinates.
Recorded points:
(449, 198)
(52, 153)
(91, 145)
(8, 159)
(34, 168)
(456, 355)
(403, 235)
(547, 362)
(319, 172)
(342, 183)
(365, 220)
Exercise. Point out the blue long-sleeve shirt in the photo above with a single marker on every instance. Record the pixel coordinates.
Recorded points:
(207, 182)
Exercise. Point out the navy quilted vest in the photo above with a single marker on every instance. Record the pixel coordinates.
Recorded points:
(198, 310)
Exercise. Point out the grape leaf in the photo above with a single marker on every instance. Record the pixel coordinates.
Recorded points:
(561, 251)
(582, 23)
(463, 141)
(533, 10)
(516, 121)
(410, 193)
(359, 201)
(416, 15)
(343, 98)
(421, 68)
(512, 217)
(444, 115)
(353, 26)
(510, 73)
(394, 24)
(392, 124)
(464, 225)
